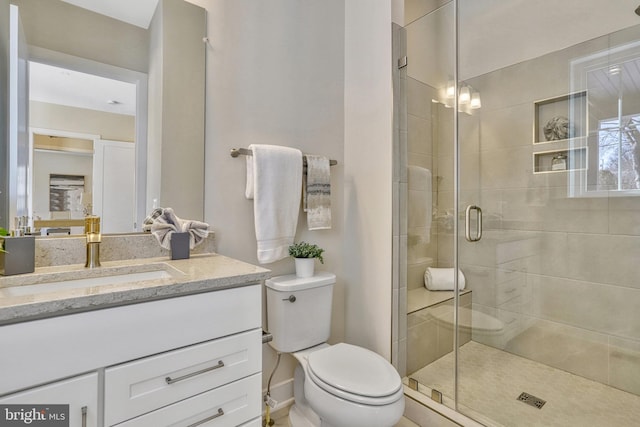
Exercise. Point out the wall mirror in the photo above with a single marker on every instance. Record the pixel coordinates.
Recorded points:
(121, 147)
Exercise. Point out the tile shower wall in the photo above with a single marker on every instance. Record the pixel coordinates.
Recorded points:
(560, 272)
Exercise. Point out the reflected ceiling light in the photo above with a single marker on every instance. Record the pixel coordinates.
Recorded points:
(475, 100)
(614, 70)
(451, 89)
(465, 95)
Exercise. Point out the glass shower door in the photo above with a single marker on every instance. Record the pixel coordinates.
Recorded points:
(549, 334)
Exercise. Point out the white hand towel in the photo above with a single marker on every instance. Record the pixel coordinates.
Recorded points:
(420, 203)
(317, 193)
(441, 279)
(274, 182)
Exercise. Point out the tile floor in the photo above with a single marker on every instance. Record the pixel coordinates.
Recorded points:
(491, 380)
(283, 421)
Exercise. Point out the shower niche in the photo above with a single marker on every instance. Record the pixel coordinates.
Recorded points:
(560, 160)
(560, 118)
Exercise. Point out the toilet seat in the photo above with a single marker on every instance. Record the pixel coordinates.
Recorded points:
(355, 374)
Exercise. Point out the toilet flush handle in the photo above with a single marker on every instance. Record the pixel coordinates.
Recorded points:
(292, 298)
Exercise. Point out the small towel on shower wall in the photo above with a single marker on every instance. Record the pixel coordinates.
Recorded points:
(441, 279)
(274, 181)
(419, 203)
(317, 193)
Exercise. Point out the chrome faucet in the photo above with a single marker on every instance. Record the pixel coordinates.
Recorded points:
(92, 231)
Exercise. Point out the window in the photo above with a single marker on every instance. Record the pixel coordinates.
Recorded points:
(619, 153)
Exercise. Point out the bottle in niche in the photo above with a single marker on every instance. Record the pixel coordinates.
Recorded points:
(559, 162)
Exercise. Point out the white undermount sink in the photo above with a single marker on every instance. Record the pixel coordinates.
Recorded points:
(44, 285)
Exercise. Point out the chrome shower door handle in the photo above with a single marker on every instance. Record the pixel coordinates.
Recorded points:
(467, 223)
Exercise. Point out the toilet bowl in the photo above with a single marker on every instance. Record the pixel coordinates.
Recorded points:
(339, 385)
(347, 385)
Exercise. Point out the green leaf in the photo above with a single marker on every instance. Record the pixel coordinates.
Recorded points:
(306, 250)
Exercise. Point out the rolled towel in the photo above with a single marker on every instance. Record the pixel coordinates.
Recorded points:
(167, 223)
(441, 279)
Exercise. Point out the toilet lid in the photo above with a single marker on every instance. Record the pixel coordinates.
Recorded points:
(355, 371)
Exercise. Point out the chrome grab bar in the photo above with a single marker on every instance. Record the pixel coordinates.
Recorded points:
(467, 223)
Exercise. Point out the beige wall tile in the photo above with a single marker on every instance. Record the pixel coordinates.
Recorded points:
(623, 215)
(574, 350)
(597, 307)
(604, 259)
(624, 359)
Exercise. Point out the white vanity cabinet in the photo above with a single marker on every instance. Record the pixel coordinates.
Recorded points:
(80, 393)
(187, 360)
(144, 385)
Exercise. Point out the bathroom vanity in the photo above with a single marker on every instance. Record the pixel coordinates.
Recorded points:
(146, 342)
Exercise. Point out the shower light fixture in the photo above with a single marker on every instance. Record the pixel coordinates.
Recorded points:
(475, 100)
(465, 95)
(451, 89)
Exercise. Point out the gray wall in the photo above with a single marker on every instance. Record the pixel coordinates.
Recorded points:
(275, 75)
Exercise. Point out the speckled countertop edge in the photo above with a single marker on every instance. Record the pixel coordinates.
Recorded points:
(200, 273)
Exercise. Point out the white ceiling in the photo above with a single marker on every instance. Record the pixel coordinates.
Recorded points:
(135, 12)
(66, 87)
(71, 88)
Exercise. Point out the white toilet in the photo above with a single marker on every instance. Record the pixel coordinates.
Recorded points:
(338, 385)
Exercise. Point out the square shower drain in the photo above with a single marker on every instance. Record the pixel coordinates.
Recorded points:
(531, 400)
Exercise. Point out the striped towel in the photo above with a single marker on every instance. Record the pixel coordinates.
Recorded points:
(317, 193)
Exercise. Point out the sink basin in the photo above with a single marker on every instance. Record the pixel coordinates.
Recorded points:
(45, 285)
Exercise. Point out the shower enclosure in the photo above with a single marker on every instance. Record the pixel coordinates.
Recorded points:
(518, 163)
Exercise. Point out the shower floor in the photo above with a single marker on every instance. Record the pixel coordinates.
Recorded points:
(491, 380)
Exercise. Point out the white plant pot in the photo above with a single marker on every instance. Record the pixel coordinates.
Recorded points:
(305, 267)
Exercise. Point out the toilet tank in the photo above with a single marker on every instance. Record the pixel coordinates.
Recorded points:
(299, 310)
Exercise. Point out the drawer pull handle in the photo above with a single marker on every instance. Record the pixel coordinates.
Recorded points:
(84, 416)
(170, 380)
(212, 417)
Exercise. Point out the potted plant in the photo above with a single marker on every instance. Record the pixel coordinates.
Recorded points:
(305, 254)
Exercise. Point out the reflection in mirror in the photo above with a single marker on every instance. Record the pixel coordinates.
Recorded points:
(64, 103)
(164, 57)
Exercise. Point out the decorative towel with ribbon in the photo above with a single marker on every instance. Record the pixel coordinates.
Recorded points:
(167, 223)
(317, 193)
(274, 182)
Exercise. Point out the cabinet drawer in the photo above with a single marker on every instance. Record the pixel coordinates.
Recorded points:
(227, 406)
(256, 422)
(80, 393)
(141, 386)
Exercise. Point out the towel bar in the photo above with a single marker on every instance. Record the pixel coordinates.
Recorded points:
(235, 152)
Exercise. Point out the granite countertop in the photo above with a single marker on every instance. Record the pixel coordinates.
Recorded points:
(20, 301)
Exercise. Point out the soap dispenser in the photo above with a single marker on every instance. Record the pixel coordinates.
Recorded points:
(559, 162)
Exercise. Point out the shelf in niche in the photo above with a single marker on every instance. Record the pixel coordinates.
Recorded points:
(575, 159)
(572, 106)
